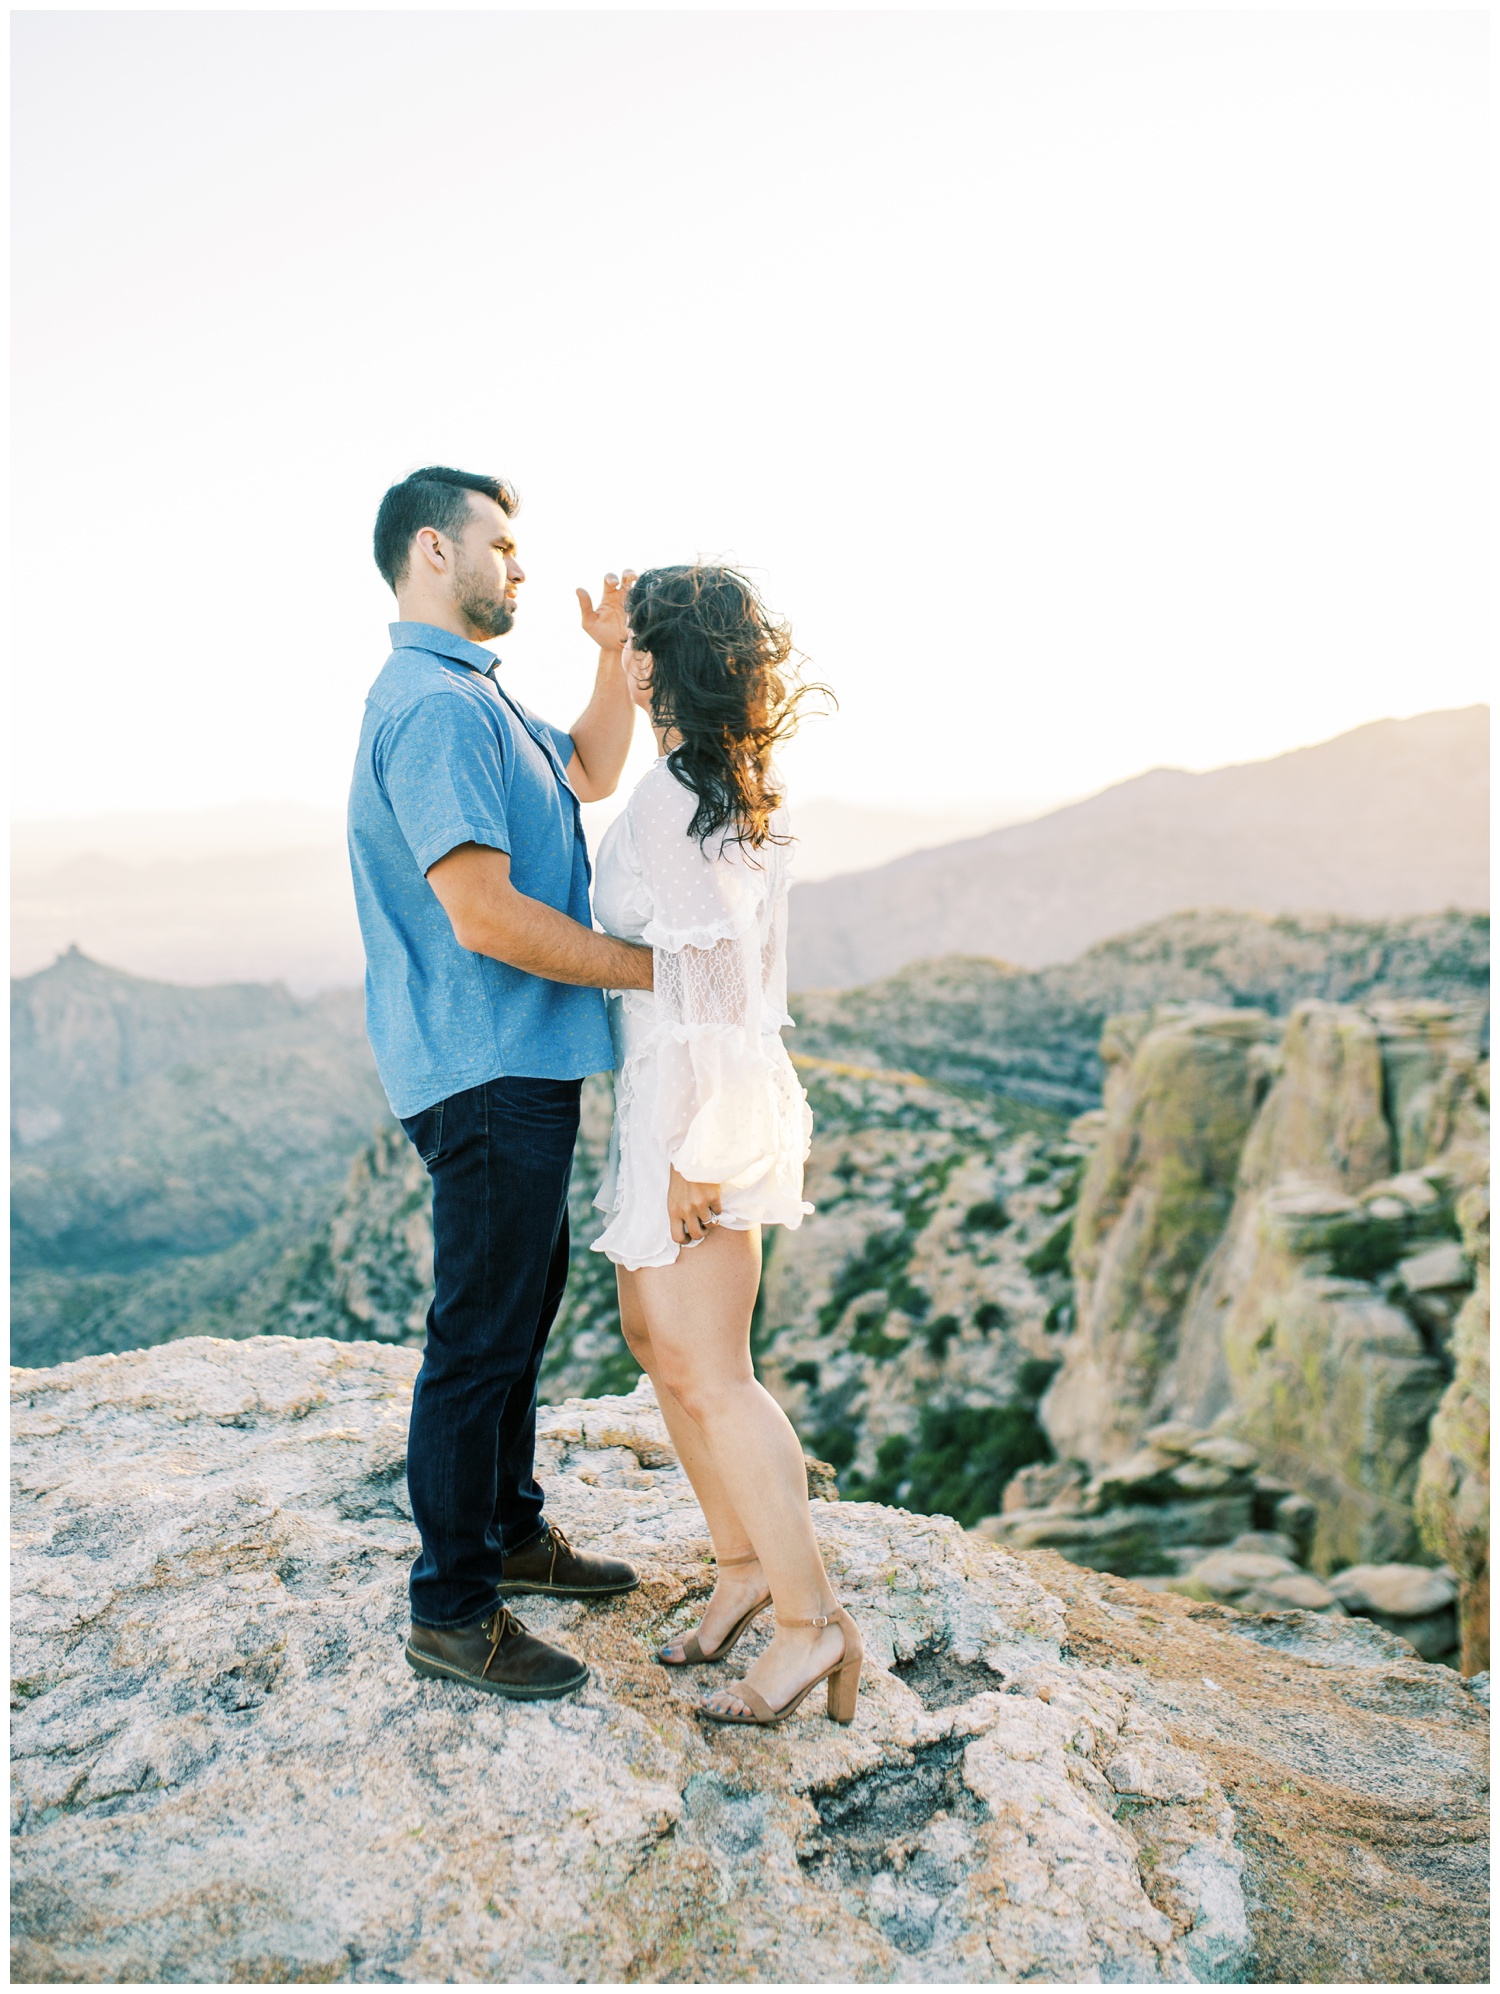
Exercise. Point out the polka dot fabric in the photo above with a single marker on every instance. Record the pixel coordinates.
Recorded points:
(702, 1079)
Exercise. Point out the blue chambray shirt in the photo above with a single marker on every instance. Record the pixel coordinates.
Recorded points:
(446, 758)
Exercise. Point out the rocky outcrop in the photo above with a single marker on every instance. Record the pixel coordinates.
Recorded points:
(368, 1273)
(1316, 1320)
(1410, 1600)
(1453, 1489)
(1178, 1101)
(225, 1771)
(1157, 1513)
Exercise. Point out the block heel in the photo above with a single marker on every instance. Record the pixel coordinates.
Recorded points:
(843, 1691)
(842, 1679)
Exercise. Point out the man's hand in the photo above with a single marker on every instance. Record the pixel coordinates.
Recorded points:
(606, 624)
(490, 917)
(691, 1209)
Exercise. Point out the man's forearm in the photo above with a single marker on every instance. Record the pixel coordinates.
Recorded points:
(529, 935)
(602, 732)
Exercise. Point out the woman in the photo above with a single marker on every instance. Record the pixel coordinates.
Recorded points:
(711, 1127)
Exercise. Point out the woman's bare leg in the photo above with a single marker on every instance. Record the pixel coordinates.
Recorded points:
(697, 1317)
(737, 1586)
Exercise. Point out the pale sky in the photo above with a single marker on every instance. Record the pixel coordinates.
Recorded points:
(1091, 392)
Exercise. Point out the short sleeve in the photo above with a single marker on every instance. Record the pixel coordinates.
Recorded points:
(563, 744)
(440, 765)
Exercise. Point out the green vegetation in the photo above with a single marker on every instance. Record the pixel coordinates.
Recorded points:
(940, 1333)
(989, 1215)
(958, 1463)
(879, 1267)
(1051, 1257)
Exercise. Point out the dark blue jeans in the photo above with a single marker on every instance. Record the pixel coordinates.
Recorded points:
(499, 1157)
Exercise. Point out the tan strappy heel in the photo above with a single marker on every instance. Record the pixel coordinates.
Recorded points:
(692, 1647)
(842, 1680)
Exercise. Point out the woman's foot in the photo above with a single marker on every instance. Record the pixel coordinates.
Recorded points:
(796, 1657)
(738, 1590)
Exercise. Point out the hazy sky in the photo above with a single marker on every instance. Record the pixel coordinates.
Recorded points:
(1092, 392)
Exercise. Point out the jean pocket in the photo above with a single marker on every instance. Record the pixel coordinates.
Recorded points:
(425, 1133)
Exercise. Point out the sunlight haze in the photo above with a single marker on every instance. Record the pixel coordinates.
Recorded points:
(1091, 392)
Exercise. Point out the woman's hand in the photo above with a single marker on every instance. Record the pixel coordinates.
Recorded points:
(691, 1209)
(606, 624)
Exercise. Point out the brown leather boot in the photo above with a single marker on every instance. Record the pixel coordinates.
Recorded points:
(551, 1565)
(496, 1654)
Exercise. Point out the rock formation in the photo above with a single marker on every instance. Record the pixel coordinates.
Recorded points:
(1453, 1489)
(225, 1771)
(1319, 1325)
(1178, 1102)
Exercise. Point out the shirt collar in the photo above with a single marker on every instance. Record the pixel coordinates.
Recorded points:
(442, 644)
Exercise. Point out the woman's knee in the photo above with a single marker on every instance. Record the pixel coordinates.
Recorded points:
(704, 1399)
(637, 1341)
(633, 1321)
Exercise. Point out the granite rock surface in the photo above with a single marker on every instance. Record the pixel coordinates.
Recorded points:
(225, 1771)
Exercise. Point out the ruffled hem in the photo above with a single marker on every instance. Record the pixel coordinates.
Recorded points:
(696, 1034)
(729, 928)
(634, 1255)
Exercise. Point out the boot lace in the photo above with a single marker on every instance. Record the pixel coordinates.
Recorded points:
(501, 1624)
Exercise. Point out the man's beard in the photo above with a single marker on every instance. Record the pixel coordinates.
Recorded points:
(482, 601)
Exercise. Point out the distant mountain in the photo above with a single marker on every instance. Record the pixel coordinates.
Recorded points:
(169, 1142)
(835, 837)
(1388, 820)
(261, 890)
(254, 915)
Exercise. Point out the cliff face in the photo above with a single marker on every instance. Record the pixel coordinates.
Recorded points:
(1453, 1489)
(1314, 1314)
(1178, 1103)
(225, 1771)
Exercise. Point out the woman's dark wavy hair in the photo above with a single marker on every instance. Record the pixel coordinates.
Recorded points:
(722, 676)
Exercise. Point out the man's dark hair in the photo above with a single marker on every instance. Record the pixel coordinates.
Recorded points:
(435, 497)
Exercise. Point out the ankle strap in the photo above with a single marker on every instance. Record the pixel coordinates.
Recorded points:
(724, 1563)
(818, 1619)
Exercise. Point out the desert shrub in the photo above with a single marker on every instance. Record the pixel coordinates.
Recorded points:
(958, 1462)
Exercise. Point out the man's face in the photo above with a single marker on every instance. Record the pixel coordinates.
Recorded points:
(486, 573)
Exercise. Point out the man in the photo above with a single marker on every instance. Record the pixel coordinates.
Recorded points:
(484, 1007)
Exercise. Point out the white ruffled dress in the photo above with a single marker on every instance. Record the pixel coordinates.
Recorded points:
(702, 1079)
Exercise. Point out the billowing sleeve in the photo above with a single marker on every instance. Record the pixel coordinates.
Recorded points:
(716, 1103)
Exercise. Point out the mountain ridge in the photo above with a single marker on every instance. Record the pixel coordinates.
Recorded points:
(1388, 819)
